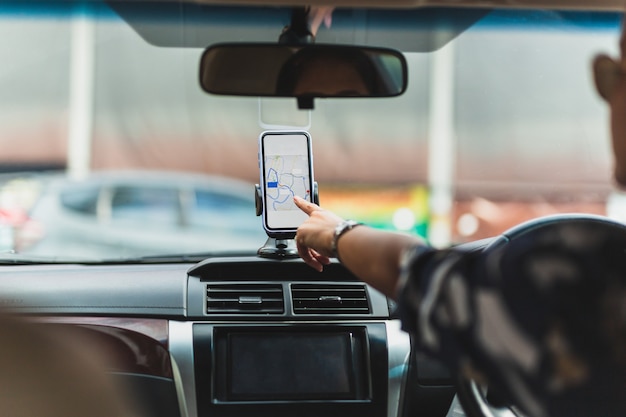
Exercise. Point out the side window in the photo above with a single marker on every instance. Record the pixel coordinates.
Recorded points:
(146, 206)
(82, 200)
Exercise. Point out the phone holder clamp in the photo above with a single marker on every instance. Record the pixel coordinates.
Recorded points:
(279, 245)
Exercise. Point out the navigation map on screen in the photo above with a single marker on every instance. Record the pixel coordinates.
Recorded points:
(287, 173)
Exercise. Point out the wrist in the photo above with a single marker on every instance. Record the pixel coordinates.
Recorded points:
(341, 229)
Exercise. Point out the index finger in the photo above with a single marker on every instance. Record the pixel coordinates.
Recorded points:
(305, 206)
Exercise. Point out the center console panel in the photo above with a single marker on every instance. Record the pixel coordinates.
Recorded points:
(307, 369)
(276, 338)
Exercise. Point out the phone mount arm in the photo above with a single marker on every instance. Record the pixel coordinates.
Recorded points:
(298, 32)
(279, 245)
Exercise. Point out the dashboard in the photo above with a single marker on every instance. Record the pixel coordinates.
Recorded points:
(235, 336)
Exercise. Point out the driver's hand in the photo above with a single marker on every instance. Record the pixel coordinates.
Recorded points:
(314, 237)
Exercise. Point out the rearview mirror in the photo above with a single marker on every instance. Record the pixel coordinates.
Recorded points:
(303, 71)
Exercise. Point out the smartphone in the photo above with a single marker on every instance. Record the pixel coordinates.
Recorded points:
(286, 165)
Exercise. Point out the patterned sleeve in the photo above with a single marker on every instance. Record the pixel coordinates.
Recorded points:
(546, 338)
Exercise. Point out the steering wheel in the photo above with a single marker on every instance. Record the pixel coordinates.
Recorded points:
(473, 397)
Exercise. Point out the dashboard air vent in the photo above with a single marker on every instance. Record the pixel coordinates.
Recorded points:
(244, 299)
(330, 299)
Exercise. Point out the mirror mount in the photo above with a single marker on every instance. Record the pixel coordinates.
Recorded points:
(298, 32)
(305, 103)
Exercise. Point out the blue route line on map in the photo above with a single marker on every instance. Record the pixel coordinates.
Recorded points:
(272, 174)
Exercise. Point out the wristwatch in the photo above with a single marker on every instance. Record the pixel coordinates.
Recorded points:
(341, 228)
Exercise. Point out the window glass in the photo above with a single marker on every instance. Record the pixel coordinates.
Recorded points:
(534, 139)
(81, 200)
(500, 125)
(146, 206)
(217, 209)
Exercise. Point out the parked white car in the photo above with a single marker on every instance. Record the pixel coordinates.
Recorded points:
(135, 213)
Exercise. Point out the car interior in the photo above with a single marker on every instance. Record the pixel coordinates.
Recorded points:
(228, 328)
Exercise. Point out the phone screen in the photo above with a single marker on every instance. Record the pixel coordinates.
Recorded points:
(286, 171)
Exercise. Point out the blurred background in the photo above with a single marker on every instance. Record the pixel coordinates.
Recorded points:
(499, 126)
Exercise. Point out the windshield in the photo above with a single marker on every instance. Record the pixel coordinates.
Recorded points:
(111, 150)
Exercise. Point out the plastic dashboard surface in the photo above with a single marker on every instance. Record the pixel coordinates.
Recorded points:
(116, 290)
(174, 303)
(171, 291)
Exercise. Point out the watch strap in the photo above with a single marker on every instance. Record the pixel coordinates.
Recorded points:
(341, 229)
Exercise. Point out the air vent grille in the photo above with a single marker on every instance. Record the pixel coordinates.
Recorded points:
(244, 299)
(329, 299)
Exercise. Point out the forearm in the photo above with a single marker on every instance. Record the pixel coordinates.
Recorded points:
(374, 256)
